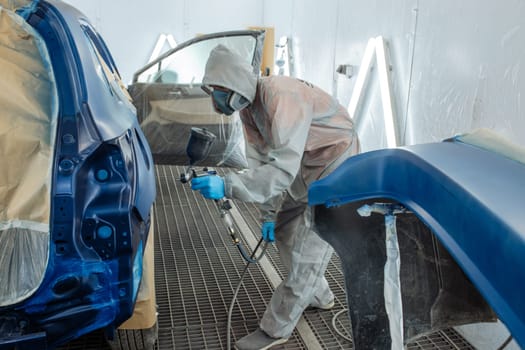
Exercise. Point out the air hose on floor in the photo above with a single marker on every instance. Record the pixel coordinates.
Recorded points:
(249, 261)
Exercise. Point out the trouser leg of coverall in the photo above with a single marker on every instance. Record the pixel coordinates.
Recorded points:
(306, 256)
(323, 295)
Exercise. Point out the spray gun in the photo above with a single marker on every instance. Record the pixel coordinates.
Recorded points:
(198, 149)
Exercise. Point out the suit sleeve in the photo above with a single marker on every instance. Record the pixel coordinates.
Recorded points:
(273, 170)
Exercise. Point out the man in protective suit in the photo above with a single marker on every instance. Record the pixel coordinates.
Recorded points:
(295, 134)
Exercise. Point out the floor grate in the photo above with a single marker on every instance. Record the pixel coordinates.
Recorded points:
(197, 270)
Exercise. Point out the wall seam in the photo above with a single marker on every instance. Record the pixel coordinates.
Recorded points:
(334, 52)
(407, 103)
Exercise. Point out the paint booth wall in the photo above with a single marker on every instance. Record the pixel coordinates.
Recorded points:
(455, 65)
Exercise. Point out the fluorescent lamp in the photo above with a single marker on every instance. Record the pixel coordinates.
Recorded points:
(386, 96)
(362, 75)
(376, 46)
(160, 44)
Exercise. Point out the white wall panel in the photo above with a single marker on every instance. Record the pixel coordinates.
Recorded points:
(278, 14)
(205, 16)
(314, 28)
(131, 28)
(467, 69)
(456, 66)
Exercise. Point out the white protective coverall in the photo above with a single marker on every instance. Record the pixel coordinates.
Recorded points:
(295, 133)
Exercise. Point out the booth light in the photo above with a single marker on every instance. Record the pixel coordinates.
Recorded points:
(386, 97)
(362, 75)
(161, 41)
(376, 46)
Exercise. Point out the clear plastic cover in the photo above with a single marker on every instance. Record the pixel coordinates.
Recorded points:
(24, 247)
(170, 101)
(167, 126)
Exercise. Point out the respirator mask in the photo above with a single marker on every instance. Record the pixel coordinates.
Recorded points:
(227, 102)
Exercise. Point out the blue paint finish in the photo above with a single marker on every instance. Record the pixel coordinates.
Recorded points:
(104, 232)
(470, 197)
(102, 192)
(137, 271)
(102, 175)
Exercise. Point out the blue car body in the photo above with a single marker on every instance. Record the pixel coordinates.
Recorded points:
(468, 193)
(102, 192)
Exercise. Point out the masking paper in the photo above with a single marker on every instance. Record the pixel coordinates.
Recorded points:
(28, 101)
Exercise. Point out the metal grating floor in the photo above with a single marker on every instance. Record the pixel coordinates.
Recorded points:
(197, 271)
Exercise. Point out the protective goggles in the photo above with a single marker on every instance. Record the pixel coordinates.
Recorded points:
(227, 100)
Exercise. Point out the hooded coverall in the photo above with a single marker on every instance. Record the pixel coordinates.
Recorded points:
(295, 133)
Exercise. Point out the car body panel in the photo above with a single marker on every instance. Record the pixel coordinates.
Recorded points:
(101, 195)
(470, 197)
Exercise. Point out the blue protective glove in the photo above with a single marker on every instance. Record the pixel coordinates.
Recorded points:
(211, 186)
(268, 231)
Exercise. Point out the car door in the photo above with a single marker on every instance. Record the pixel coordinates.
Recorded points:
(169, 99)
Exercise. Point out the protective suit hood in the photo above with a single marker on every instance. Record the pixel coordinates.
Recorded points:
(227, 69)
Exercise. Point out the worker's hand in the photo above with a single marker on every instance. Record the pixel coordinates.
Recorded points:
(210, 186)
(268, 231)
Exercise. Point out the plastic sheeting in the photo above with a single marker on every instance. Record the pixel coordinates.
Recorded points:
(169, 99)
(392, 280)
(166, 121)
(168, 126)
(28, 101)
